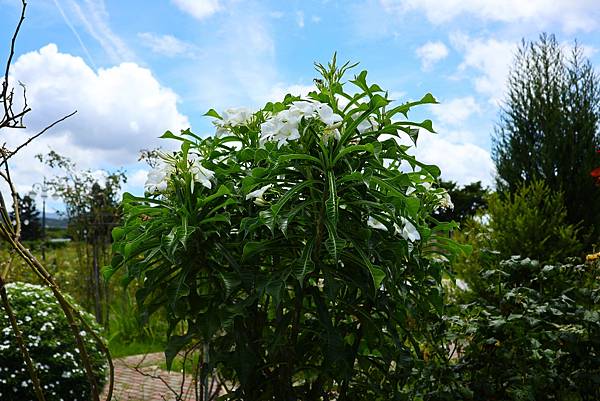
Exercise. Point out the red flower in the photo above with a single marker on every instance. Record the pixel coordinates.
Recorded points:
(596, 174)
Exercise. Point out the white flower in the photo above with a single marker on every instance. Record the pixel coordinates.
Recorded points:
(232, 117)
(236, 116)
(306, 108)
(258, 194)
(409, 232)
(445, 201)
(327, 115)
(368, 124)
(200, 173)
(373, 223)
(282, 128)
(331, 133)
(158, 177)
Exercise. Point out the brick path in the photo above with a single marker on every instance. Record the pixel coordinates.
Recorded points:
(138, 378)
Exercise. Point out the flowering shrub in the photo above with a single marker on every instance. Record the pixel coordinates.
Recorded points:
(43, 326)
(297, 244)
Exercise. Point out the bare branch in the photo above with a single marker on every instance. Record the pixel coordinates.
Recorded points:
(8, 115)
(27, 142)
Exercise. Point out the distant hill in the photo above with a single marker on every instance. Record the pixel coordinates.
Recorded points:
(54, 220)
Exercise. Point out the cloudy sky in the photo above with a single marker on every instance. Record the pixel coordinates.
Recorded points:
(133, 69)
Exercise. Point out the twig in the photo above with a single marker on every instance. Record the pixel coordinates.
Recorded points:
(7, 111)
(28, 141)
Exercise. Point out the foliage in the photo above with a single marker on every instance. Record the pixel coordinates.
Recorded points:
(533, 333)
(31, 228)
(43, 326)
(92, 209)
(467, 201)
(127, 331)
(476, 233)
(293, 245)
(532, 222)
(548, 128)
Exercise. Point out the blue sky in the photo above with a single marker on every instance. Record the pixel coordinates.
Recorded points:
(133, 69)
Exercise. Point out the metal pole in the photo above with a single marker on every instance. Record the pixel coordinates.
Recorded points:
(44, 229)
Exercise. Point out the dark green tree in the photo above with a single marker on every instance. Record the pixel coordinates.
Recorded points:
(31, 227)
(468, 200)
(548, 128)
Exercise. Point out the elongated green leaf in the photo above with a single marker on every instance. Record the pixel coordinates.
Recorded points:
(288, 157)
(354, 148)
(404, 108)
(276, 208)
(305, 264)
(332, 203)
(376, 273)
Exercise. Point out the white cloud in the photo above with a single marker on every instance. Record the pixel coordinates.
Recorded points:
(455, 111)
(490, 58)
(199, 9)
(120, 110)
(571, 15)
(166, 45)
(459, 161)
(430, 53)
(239, 63)
(300, 19)
(94, 17)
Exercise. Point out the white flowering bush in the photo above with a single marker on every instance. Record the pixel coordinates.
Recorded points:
(46, 334)
(297, 244)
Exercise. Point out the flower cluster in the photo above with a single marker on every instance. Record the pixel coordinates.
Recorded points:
(158, 177)
(43, 327)
(283, 126)
(232, 117)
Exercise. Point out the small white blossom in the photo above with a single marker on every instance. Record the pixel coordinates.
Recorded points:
(373, 223)
(282, 128)
(445, 201)
(327, 115)
(158, 177)
(200, 173)
(236, 116)
(368, 124)
(409, 232)
(258, 195)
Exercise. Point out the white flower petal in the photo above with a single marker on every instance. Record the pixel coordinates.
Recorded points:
(373, 223)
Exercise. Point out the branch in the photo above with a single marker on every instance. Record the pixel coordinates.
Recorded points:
(3, 96)
(27, 142)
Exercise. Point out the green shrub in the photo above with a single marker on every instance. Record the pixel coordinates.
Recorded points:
(533, 333)
(51, 346)
(532, 222)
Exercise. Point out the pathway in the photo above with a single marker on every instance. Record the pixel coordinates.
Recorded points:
(139, 378)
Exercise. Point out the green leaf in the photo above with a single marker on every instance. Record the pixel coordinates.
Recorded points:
(305, 265)
(376, 273)
(213, 113)
(332, 203)
(354, 148)
(288, 157)
(174, 345)
(276, 208)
